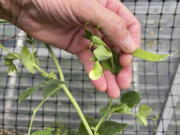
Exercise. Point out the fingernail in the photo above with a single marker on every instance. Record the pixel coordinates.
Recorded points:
(128, 45)
(114, 94)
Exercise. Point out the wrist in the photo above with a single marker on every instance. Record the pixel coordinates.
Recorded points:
(10, 10)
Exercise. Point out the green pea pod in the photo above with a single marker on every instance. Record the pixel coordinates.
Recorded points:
(149, 56)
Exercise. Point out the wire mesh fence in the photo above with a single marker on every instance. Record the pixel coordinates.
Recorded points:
(158, 83)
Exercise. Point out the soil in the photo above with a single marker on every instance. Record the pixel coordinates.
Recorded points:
(10, 132)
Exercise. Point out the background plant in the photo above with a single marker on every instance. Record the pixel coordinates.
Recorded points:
(104, 58)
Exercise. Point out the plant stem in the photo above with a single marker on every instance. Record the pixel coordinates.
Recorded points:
(103, 118)
(38, 107)
(56, 62)
(131, 114)
(41, 70)
(68, 93)
(78, 109)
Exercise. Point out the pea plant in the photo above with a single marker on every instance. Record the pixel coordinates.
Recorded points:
(104, 58)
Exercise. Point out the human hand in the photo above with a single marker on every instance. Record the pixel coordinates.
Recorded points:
(61, 24)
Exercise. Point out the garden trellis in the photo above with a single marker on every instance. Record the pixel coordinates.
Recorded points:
(158, 83)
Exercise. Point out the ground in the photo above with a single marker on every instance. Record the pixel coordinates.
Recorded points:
(10, 132)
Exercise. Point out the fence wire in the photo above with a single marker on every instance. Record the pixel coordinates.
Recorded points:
(158, 83)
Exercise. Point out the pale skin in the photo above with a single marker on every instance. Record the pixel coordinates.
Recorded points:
(61, 24)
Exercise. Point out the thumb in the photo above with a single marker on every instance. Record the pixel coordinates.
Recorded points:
(113, 27)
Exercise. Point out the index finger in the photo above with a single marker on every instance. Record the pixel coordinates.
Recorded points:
(132, 23)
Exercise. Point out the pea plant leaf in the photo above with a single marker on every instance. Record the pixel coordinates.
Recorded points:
(112, 64)
(4, 48)
(12, 56)
(47, 131)
(52, 75)
(59, 129)
(27, 59)
(115, 63)
(111, 128)
(106, 64)
(30, 40)
(116, 108)
(25, 94)
(11, 67)
(82, 130)
(47, 85)
(96, 72)
(51, 85)
(35, 58)
(97, 41)
(149, 56)
(131, 98)
(121, 108)
(9, 62)
(29, 91)
(106, 128)
(108, 58)
(143, 112)
(101, 53)
(142, 120)
(93, 38)
(88, 34)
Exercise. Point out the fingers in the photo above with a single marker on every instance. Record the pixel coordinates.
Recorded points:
(125, 60)
(132, 23)
(124, 78)
(113, 27)
(85, 58)
(107, 82)
(112, 87)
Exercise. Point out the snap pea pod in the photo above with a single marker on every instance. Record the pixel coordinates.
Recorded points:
(149, 56)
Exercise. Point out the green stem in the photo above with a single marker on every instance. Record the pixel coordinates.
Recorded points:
(151, 118)
(131, 114)
(56, 62)
(112, 62)
(103, 118)
(78, 109)
(68, 93)
(41, 70)
(39, 106)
